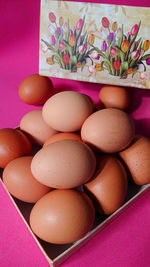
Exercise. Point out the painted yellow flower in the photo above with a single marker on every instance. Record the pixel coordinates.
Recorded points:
(115, 26)
(98, 67)
(125, 45)
(49, 61)
(61, 21)
(146, 45)
(91, 39)
(72, 40)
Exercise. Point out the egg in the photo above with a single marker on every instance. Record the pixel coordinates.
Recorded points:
(27, 143)
(114, 97)
(13, 144)
(62, 136)
(62, 216)
(64, 164)
(108, 130)
(19, 181)
(33, 124)
(108, 187)
(66, 111)
(137, 159)
(35, 89)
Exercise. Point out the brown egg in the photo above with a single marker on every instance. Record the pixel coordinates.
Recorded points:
(108, 187)
(64, 164)
(27, 143)
(62, 216)
(19, 181)
(35, 89)
(108, 130)
(12, 145)
(66, 111)
(62, 136)
(32, 123)
(114, 97)
(137, 159)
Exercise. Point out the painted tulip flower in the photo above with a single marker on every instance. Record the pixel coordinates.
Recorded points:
(98, 67)
(125, 45)
(146, 45)
(94, 54)
(52, 17)
(44, 48)
(52, 40)
(103, 33)
(61, 21)
(130, 71)
(79, 64)
(66, 59)
(148, 61)
(72, 40)
(79, 24)
(82, 48)
(91, 69)
(61, 46)
(113, 51)
(119, 32)
(52, 28)
(114, 26)
(49, 61)
(58, 31)
(135, 54)
(111, 36)
(105, 22)
(143, 75)
(134, 30)
(104, 46)
(116, 64)
(91, 39)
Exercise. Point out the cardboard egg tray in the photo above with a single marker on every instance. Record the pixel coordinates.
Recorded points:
(56, 254)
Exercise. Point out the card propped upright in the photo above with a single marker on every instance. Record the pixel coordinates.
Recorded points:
(98, 43)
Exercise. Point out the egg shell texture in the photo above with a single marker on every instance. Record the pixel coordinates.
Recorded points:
(108, 130)
(33, 124)
(62, 216)
(12, 145)
(137, 159)
(66, 111)
(35, 89)
(64, 164)
(19, 181)
(108, 187)
(114, 97)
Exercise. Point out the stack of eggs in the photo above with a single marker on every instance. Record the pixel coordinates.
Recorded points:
(82, 160)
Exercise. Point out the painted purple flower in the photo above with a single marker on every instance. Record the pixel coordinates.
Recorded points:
(111, 36)
(104, 46)
(52, 40)
(59, 31)
(148, 61)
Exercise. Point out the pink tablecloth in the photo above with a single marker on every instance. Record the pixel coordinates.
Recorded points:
(123, 243)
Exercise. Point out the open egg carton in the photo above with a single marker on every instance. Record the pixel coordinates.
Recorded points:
(56, 254)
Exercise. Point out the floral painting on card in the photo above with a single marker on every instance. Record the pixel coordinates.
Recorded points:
(95, 42)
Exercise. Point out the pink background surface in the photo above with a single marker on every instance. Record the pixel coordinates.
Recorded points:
(123, 243)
